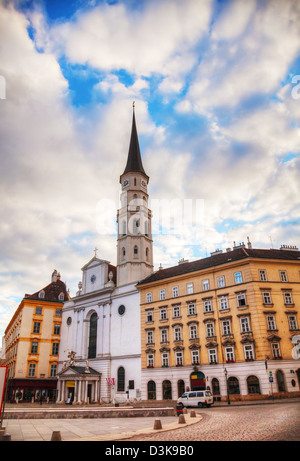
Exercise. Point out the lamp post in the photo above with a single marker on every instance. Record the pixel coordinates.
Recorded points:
(228, 399)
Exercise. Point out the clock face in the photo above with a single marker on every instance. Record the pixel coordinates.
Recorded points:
(121, 310)
(125, 183)
(93, 278)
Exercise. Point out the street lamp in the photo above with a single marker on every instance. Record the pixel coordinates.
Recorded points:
(228, 399)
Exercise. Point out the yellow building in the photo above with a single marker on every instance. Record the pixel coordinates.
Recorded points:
(228, 322)
(31, 343)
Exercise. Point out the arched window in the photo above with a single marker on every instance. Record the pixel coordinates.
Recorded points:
(280, 381)
(146, 228)
(147, 254)
(93, 336)
(124, 228)
(151, 390)
(180, 387)
(135, 251)
(135, 199)
(121, 380)
(42, 294)
(167, 390)
(123, 253)
(233, 385)
(253, 385)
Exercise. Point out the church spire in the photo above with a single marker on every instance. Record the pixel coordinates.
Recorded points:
(134, 160)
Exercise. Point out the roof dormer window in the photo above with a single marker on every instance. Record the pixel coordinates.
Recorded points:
(42, 294)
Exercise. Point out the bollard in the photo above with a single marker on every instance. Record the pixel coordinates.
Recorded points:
(2, 432)
(181, 419)
(184, 411)
(56, 436)
(193, 414)
(179, 410)
(6, 438)
(157, 424)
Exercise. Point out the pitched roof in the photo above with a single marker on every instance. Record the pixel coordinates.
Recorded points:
(134, 160)
(219, 259)
(52, 292)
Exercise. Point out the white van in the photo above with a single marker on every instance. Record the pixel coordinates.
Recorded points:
(196, 399)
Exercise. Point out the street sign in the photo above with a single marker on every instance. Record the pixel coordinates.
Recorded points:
(271, 379)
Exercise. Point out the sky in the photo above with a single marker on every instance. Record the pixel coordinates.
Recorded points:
(216, 86)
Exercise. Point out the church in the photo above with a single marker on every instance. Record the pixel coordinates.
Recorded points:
(100, 348)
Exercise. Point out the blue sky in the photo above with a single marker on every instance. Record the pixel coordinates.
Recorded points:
(217, 114)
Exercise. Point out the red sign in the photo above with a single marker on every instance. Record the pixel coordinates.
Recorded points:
(3, 374)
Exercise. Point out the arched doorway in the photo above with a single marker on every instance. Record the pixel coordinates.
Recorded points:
(151, 390)
(180, 387)
(167, 390)
(253, 385)
(280, 381)
(215, 386)
(233, 385)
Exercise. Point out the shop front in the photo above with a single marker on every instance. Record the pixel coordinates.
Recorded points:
(31, 390)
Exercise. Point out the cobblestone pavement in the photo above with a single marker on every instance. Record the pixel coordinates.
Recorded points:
(279, 422)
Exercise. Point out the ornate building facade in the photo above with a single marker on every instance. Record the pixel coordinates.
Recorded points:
(100, 356)
(229, 322)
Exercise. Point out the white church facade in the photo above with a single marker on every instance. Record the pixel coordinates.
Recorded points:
(100, 348)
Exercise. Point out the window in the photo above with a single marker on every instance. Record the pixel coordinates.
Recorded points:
(135, 250)
(34, 347)
(61, 297)
(150, 337)
(253, 385)
(283, 276)
(221, 281)
(175, 292)
(229, 354)
(93, 336)
(189, 288)
(193, 331)
(271, 322)
(293, 322)
(223, 303)
(248, 352)
(149, 316)
(238, 277)
(31, 370)
(195, 357)
(176, 311)
(42, 294)
(266, 297)
(53, 370)
(149, 297)
(262, 275)
(162, 294)
(151, 390)
(163, 313)
(191, 309)
(276, 350)
(121, 380)
(179, 358)
(38, 311)
(245, 324)
(36, 327)
(205, 285)
(150, 360)
(164, 335)
(241, 299)
(212, 356)
(165, 359)
(210, 330)
(177, 334)
(55, 347)
(226, 327)
(58, 312)
(56, 330)
(207, 305)
(123, 253)
(287, 297)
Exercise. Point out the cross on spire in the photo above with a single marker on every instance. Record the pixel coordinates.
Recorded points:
(95, 251)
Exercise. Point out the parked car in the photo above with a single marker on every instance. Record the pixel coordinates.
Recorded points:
(196, 399)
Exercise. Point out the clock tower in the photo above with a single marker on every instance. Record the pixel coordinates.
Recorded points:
(135, 254)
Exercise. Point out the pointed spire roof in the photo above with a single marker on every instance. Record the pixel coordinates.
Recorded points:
(134, 160)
